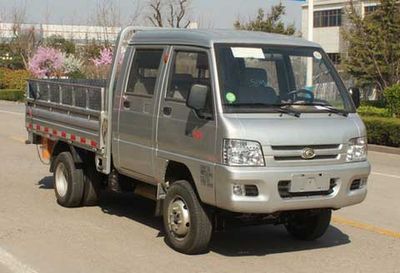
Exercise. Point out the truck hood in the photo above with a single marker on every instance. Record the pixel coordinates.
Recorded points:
(308, 129)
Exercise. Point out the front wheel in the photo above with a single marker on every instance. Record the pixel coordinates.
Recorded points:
(309, 225)
(187, 225)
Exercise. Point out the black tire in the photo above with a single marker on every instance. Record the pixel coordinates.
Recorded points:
(68, 192)
(200, 227)
(309, 225)
(92, 185)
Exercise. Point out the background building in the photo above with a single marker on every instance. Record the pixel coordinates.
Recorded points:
(76, 33)
(79, 34)
(329, 19)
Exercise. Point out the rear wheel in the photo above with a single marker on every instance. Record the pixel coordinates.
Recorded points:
(187, 225)
(68, 181)
(309, 225)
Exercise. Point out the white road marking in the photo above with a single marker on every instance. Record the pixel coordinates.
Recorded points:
(384, 174)
(13, 264)
(12, 113)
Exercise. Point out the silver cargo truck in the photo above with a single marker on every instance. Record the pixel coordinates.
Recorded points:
(218, 127)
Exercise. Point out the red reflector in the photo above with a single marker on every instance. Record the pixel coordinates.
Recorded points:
(63, 134)
(54, 132)
(93, 143)
(46, 129)
(83, 140)
(37, 127)
(197, 134)
(73, 137)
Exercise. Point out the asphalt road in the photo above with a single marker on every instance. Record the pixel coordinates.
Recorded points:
(120, 235)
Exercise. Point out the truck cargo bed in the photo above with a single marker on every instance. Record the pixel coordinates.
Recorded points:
(68, 110)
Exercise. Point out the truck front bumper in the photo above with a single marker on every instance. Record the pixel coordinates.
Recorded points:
(269, 198)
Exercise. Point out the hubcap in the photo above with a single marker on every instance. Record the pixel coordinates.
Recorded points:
(61, 180)
(178, 218)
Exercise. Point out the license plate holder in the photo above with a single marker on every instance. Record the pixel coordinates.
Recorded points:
(310, 182)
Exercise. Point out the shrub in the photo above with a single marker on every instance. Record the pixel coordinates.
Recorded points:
(373, 111)
(12, 94)
(13, 79)
(383, 131)
(375, 103)
(392, 97)
(72, 64)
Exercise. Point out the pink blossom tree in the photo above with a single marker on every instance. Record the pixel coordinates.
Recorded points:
(105, 57)
(47, 62)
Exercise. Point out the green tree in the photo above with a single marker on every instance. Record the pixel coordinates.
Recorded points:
(59, 42)
(268, 22)
(373, 45)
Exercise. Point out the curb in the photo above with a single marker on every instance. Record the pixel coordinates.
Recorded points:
(383, 149)
(9, 102)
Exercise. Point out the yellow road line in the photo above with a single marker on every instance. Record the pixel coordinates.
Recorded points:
(385, 174)
(364, 226)
(18, 138)
(12, 113)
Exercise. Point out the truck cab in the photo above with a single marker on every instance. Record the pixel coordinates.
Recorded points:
(218, 124)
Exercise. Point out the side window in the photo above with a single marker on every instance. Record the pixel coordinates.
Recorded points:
(188, 68)
(144, 71)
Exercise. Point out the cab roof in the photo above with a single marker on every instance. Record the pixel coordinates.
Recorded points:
(207, 38)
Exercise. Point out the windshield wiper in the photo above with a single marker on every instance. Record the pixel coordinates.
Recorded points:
(275, 107)
(285, 110)
(327, 107)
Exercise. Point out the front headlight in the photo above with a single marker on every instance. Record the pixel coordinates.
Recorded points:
(243, 153)
(357, 150)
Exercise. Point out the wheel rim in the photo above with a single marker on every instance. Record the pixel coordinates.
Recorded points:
(61, 180)
(178, 218)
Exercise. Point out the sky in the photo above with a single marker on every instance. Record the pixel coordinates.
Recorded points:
(209, 13)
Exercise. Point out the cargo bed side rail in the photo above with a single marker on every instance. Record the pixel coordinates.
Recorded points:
(67, 110)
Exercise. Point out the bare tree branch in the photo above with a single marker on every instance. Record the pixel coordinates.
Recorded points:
(155, 17)
(173, 13)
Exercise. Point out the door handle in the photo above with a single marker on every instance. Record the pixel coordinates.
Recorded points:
(127, 104)
(167, 111)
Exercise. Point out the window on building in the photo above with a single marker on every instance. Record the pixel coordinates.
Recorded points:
(328, 18)
(335, 58)
(369, 9)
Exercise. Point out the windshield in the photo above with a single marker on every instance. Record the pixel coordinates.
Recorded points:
(262, 78)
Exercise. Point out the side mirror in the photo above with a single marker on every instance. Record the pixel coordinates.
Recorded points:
(197, 98)
(355, 95)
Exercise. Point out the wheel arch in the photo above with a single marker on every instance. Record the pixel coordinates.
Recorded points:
(79, 155)
(178, 171)
(192, 172)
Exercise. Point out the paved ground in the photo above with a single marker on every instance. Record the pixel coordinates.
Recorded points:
(37, 235)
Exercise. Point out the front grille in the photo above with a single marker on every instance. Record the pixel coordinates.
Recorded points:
(284, 187)
(295, 152)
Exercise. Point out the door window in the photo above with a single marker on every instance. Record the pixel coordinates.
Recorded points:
(144, 72)
(188, 69)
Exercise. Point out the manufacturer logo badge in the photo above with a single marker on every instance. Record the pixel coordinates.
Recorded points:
(308, 153)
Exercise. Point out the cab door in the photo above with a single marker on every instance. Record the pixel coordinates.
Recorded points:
(183, 135)
(137, 113)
